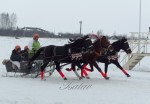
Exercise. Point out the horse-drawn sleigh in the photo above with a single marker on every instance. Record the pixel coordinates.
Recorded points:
(14, 71)
(79, 52)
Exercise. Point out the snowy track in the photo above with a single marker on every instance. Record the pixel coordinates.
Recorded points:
(118, 90)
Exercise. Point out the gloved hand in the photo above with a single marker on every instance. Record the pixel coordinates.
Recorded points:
(34, 50)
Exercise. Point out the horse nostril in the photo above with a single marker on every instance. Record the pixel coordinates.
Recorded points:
(130, 51)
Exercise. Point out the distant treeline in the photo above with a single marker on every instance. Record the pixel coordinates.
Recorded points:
(26, 32)
(29, 31)
(20, 32)
(8, 28)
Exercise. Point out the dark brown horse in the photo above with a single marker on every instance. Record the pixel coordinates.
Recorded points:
(101, 45)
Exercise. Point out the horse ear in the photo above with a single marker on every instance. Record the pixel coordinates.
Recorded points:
(123, 38)
(117, 38)
(86, 36)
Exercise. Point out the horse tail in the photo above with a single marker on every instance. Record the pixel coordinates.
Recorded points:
(36, 54)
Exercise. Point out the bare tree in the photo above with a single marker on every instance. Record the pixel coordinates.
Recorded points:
(13, 20)
(2, 22)
(100, 32)
(8, 21)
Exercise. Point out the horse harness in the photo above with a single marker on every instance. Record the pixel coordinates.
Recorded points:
(126, 42)
(113, 57)
(73, 56)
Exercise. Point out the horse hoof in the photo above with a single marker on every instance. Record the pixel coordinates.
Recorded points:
(106, 78)
(67, 69)
(65, 78)
(83, 76)
(43, 79)
(50, 73)
(80, 78)
(128, 75)
(78, 69)
(87, 77)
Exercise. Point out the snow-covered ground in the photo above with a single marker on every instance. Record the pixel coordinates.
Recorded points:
(118, 90)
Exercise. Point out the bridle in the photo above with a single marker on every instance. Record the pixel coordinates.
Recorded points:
(126, 42)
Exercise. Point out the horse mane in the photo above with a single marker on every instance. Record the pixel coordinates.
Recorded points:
(95, 36)
(98, 38)
(76, 40)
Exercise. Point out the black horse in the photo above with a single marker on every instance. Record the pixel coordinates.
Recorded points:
(63, 54)
(111, 57)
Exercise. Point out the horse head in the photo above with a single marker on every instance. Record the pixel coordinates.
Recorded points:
(121, 44)
(102, 45)
(125, 46)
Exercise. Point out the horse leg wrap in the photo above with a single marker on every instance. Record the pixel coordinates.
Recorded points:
(84, 72)
(103, 74)
(42, 75)
(87, 69)
(124, 71)
(84, 66)
(61, 74)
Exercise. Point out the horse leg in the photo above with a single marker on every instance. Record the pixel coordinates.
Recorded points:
(42, 70)
(99, 69)
(82, 70)
(70, 69)
(59, 71)
(122, 69)
(87, 69)
(91, 66)
(52, 68)
(106, 67)
(74, 70)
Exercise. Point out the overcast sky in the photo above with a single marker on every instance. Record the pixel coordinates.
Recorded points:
(121, 16)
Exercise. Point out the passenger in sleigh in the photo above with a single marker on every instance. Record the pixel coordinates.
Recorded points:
(24, 53)
(16, 57)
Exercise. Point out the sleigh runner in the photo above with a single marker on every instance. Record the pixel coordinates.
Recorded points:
(23, 71)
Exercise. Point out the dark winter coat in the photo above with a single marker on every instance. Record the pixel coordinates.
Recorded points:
(15, 56)
(25, 55)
